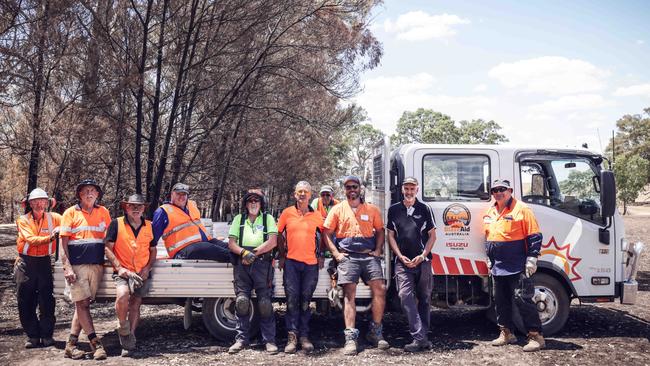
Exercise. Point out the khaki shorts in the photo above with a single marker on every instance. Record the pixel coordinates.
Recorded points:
(88, 279)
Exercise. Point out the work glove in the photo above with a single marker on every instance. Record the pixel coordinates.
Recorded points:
(248, 257)
(531, 266)
(489, 263)
(135, 281)
(20, 271)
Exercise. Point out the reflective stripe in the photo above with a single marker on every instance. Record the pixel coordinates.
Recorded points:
(85, 241)
(25, 248)
(175, 246)
(180, 227)
(49, 230)
(101, 228)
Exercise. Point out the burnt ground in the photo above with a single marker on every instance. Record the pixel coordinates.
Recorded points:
(594, 335)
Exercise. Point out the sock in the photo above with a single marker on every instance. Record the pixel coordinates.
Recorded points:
(74, 338)
(92, 336)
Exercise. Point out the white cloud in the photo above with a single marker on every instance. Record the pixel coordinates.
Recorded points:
(386, 98)
(551, 75)
(640, 41)
(633, 90)
(421, 26)
(568, 103)
(480, 88)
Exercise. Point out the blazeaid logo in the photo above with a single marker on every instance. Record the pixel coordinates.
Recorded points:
(561, 258)
(456, 218)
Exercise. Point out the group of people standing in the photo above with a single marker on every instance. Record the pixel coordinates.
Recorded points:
(351, 230)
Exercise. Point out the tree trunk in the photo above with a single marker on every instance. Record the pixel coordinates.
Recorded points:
(139, 99)
(35, 152)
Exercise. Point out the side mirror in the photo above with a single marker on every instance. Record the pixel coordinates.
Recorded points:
(607, 193)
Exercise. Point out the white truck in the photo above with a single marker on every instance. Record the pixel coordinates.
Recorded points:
(585, 254)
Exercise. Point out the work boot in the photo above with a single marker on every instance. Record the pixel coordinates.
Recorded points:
(505, 337)
(351, 336)
(32, 342)
(238, 346)
(292, 343)
(417, 346)
(99, 353)
(71, 349)
(47, 341)
(125, 353)
(127, 339)
(375, 336)
(535, 342)
(306, 345)
(271, 348)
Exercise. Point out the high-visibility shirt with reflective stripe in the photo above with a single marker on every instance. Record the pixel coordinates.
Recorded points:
(34, 235)
(183, 228)
(130, 250)
(507, 235)
(85, 231)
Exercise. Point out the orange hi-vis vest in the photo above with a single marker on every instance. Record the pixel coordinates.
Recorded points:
(322, 209)
(34, 237)
(132, 251)
(183, 229)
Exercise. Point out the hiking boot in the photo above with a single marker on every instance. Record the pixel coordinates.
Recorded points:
(351, 336)
(306, 345)
(535, 342)
(292, 343)
(72, 351)
(125, 353)
(47, 342)
(417, 346)
(99, 353)
(375, 336)
(32, 343)
(271, 348)
(238, 346)
(505, 337)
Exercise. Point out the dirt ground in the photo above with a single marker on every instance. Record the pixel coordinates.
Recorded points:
(594, 335)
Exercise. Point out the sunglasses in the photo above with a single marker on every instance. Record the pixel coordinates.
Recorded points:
(325, 195)
(253, 201)
(498, 189)
(352, 186)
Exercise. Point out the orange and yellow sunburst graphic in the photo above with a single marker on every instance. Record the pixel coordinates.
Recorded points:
(562, 258)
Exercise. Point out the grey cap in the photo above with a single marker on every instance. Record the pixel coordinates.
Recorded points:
(181, 187)
(501, 183)
(410, 180)
(352, 178)
(326, 188)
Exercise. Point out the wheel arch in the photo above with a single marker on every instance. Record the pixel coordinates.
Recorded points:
(557, 273)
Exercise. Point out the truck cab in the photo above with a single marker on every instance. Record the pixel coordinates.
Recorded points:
(584, 252)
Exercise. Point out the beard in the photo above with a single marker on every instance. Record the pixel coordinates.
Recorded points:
(352, 195)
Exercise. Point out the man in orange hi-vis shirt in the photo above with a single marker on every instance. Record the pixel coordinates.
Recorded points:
(33, 270)
(513, 242)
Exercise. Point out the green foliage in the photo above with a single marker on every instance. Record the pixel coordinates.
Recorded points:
(631, 176)
(632, 137)
(430, 127)
(578, 184)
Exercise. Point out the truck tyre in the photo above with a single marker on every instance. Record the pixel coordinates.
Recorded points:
(552, 304)
(220, 320)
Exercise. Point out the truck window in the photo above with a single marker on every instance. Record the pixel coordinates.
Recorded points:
(455, 177)
(565, 184)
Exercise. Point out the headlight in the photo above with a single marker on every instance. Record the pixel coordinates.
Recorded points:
(624, 244)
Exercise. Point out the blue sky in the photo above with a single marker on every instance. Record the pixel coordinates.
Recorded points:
(556, 73)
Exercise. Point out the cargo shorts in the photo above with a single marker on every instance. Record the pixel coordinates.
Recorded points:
(88, 278)
(356, 265)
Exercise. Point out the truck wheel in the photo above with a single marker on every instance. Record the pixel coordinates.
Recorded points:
(219, 317)
(552, 303)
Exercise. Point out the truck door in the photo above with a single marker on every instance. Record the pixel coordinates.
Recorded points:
(563, 191)
(455, 184)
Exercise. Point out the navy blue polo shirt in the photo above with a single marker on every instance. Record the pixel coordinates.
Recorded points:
(411, 227)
